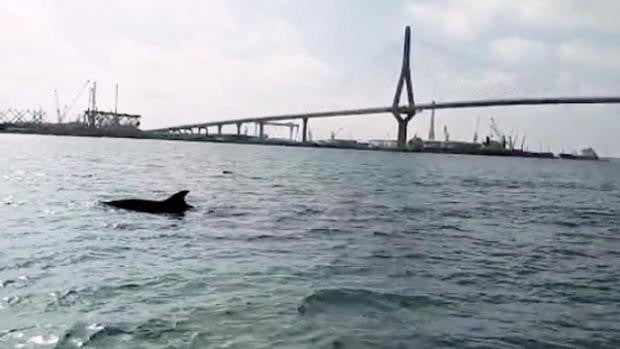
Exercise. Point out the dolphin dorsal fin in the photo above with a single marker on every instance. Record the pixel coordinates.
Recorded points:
(178, 198)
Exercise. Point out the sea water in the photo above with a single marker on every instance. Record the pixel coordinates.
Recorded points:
(304, 248)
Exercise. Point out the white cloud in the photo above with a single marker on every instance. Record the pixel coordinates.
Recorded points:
(582, 54)
(514, 50)
(466, 20)
(461, 20)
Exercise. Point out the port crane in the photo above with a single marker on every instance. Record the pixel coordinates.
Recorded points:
(499, 134)
(446, 134)
(61, 115)
(334, 134)
(58, 107)
(477, 128)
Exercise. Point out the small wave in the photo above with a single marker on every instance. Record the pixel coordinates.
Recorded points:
(15, 332)
(570, 252)
(402, 274)
(411, 210)
(305, 211)
(4, 283)
(327, 231)
(566, 224)
(125, 226)
(382, 255)
(90, 295)
(154, 329)
(44, 339)
(338, 299)
(13, 300)
(64, 299)
(82, 335)
(223, 212)
(593, 213)
(8, 200)
(129, 286)
(96, 327)
(380, 233)
(265, 237)
(461, 214)
(450, 227)
(426, 183)
(166, 236)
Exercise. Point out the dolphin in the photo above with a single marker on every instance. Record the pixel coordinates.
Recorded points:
(174, 204)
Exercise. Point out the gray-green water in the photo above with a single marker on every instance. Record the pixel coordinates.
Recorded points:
(304, 248)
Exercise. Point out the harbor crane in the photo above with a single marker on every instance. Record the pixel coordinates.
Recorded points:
(334, 134)
(477, 128)
(61, 115)
(501, 137)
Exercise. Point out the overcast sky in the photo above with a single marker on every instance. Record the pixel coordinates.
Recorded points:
(191, 61)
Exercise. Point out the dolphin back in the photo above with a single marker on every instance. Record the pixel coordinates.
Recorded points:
(178, 199)
(174, 204)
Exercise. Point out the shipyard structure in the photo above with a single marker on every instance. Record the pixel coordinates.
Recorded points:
(90, 122)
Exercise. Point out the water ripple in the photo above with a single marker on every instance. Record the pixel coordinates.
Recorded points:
(304, 248)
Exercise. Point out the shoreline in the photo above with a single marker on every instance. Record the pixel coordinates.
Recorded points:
(236, 139)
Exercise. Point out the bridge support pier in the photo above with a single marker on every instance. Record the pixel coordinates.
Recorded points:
(304, 130)
(261, 130)
(219, 130)
(238, 129)
(401, 141)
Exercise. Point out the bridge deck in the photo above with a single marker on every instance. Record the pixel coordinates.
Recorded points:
(403, 110)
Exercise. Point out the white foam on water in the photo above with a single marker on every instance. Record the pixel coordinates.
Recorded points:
(44, 340)
(11, 300)
(23, 277)
(96, 327)
(20, 345)
(78, 343)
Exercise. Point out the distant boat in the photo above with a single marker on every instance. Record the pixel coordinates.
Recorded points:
(585, 154)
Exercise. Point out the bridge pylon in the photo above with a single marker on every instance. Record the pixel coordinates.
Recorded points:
(404, 81)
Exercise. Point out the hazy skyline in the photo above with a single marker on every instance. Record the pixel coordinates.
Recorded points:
(192, 61)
